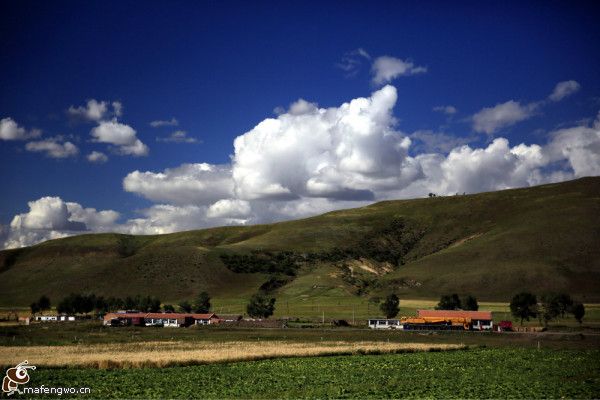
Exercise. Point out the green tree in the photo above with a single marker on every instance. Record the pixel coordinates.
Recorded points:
(550, 307)
(470, 303)
(35, 307)
(86, 303)
(564, 302)
(260, 306)
(202, 303)
(185, 306)
(44, 303)
(114, 304)
(449, 302)
(578, 311)
(100, 305)
(524, 306)
(391, 306)
(130, 303)
(168, 308)
(65, 306)
(148, 304)
(155, 304)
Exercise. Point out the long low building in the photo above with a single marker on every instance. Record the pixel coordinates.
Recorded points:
(438, 320)
(159, 319)
(480, 320)
(55, 318)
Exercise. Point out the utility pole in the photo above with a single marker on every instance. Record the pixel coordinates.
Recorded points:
(323, 317)
(353, 315)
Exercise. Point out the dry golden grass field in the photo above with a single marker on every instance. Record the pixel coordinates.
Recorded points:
(170, 353)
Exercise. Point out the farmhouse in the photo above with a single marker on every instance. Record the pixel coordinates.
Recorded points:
(385, 324)
(159, 319)
(54, 318)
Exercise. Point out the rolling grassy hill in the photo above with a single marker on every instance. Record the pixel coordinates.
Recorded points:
(490, 244)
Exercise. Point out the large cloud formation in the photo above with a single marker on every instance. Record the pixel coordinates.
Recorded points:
(310, 160)
(342, 153)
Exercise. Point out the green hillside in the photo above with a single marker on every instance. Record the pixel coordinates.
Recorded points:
(490, 244)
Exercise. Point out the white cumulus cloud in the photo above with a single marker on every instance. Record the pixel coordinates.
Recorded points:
(53, 147)
(342, 152)
(386, 68)
(580, 146)
(94, 110)
(199, 184)
(491, 119)
(229, 208)
(97, 157)
(121, 135)
(10, 130)
(51, 218)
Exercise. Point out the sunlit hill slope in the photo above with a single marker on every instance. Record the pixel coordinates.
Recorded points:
(490, 244)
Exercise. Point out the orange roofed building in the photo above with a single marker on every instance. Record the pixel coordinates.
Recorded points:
(480, 320)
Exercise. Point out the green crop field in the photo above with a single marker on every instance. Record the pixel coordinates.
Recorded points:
(475, 373)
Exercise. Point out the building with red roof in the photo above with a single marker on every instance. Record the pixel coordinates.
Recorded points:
(159, 319)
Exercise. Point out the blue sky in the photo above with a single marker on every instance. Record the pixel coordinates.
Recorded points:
(220, 68)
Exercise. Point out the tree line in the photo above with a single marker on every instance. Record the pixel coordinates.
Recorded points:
(391, 305)
(260, 305)
(525, 305)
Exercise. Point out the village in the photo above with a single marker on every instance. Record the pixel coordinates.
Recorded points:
(451, 313)
(424, 320)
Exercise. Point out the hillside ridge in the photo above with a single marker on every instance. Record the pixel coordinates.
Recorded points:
(490, 244)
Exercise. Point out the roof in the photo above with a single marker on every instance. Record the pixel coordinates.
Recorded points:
(483, 315)
(204, 316)
(160, 315)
